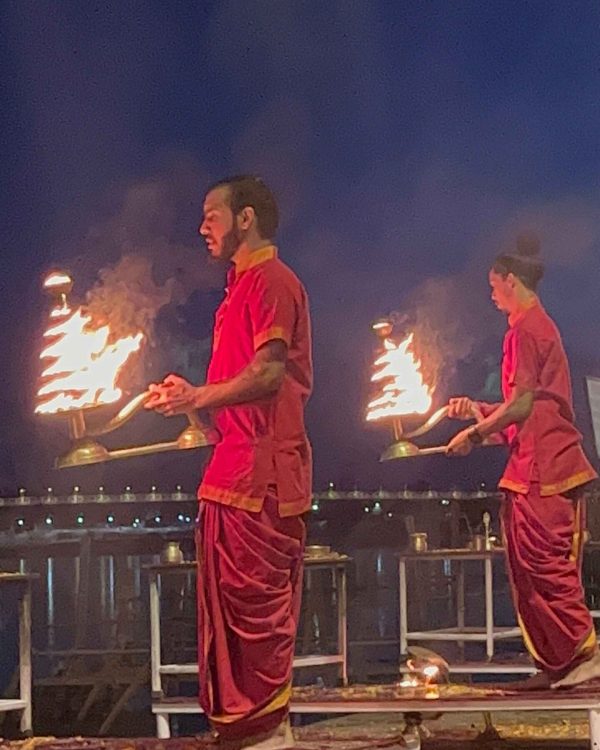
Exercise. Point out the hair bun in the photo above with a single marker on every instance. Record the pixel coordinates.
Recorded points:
(528, 245)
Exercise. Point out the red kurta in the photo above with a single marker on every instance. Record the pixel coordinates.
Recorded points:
(543, 514)
(263, 442)
(547, 443)
(250, 536)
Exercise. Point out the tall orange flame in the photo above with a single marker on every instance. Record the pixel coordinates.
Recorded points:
(403, 390)
(82, 366)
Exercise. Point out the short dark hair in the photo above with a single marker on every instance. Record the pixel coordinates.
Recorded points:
(249, 190)
(525, 263)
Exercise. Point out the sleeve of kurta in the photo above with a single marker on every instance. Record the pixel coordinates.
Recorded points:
(272, 311)
(524, 371)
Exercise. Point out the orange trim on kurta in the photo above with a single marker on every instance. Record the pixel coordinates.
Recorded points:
(280, 700)
(276, 332)
(295, 508)
(227, 497)
(558, 488)
(251, 258)
(583, 477)
(506, 484)
(589, 643)
(514, 318)
(575, 543)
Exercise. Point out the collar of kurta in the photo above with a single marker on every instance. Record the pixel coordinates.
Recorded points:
(252, 258)
(514, 319)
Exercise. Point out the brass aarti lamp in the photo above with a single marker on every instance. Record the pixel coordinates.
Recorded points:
(80, 378)
(402, 372)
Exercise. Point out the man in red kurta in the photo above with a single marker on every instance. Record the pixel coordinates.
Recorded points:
(543, 514)
(257, 485)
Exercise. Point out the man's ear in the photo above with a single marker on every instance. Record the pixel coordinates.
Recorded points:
(246, 217)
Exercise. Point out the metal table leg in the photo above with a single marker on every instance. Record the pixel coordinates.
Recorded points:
(489, 608)
(155, 656)
(403, 613)
(25, 658)
(594, 717)
(163, 728)
(340, 574)
(460, 603)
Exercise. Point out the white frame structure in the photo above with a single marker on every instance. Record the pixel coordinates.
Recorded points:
(460, 633)
(23, 703)
(163, 708)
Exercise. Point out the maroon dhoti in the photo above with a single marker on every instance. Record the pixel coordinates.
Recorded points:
(249, 593)
(543, 539)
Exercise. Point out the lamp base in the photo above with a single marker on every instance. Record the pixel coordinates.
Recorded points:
(86, 451)
(83, 452)
(406, 449)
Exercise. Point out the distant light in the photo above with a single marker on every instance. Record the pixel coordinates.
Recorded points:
(331, 485)
(445, 501)
(20, 522)
(128, 489)
(188, 519)
(76, 488)
(367, 509)
(315, 506)
(390, 514)
(157, 519)
(80, 519)
(110, 518)
(153, 488)
(178, 487)
(22, 491)
(49, 490)
(136, 522)
(49, 521)
(181, 517)
(101, 489)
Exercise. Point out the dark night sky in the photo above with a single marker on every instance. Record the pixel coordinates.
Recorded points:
(407, 142)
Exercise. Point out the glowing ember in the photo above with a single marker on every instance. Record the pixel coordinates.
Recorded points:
(409, 682)
(403, 390)
(57, 279)
(431, 672)
(83, 366)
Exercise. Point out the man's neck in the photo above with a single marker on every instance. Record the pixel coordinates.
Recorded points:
(525, 301)
(247, 247)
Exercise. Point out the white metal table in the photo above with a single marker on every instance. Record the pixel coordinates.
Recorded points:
(460, 633)
(335, 563)
(22, 582)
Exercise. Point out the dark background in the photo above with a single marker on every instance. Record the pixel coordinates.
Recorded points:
(407, 143)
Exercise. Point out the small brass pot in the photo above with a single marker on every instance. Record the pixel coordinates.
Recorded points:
(171, 554)
(418, 541)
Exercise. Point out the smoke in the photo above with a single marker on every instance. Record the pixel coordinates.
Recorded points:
(452, 318)
(151, 263)
(446, 316)
(127, 298)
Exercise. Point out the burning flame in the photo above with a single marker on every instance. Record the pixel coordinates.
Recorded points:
(403, 391)
(83, 365)
(57, 279)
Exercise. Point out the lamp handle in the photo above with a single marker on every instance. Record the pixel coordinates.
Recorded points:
(121, 417)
